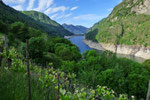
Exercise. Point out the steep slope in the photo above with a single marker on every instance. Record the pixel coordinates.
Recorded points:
(40, 17)
(78, 29)
(10, 15)
(127, 24)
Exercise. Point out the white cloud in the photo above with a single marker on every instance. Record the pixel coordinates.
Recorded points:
(59, 16)
(18, 7)
(74, 8)
(110, 9)
(88, 17)
(56, 9)
(14, 1)
(49, 3)
(68, 15)
(43, 4)
(31, 4)
(64, 16)
(54, 16)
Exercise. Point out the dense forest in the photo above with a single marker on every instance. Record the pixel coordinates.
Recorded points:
(87, 74)
(37, 63)
(10, 15)
(124, 25)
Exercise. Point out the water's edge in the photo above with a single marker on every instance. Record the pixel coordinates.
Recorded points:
(137, 51)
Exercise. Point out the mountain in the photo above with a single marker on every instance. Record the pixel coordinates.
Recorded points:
(42, 18)
(78, 29)
(127, 24)
(39, 21)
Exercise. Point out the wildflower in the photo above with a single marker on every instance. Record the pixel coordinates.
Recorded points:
(132, 97)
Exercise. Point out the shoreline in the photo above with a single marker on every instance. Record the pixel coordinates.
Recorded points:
(138, 51)
(68, 37)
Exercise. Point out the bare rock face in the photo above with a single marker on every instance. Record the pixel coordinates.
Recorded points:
(138, 51)
(142, 8)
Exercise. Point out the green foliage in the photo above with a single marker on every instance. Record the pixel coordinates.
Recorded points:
(20, 31)
(146, 65)
(122, 26)
(3, 27)
(67, 52)
(120, 74)
(38, 16)
(37, 49)
(91, 35)
(90, 70)
(10, 15)
(42, 18)
(42, 47)
(46, 85)
(91, 53)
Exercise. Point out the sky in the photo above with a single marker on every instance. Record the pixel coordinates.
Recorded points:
(76, 12)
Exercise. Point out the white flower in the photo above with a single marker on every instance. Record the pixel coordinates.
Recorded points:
(132, 97)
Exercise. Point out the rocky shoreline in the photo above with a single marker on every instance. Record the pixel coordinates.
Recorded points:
(138, 51)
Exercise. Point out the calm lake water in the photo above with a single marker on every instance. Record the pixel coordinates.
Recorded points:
(78, 41)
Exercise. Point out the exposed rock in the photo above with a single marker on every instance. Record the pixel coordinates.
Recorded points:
(93, 45)
(114, 19)
(139, 51)
(127, 24)
(142, 8)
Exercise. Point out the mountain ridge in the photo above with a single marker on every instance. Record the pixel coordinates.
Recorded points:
(76, 29)
(43, 18)
(10, 15)
(127, 24)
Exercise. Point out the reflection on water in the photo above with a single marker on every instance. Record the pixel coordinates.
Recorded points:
(78, 41)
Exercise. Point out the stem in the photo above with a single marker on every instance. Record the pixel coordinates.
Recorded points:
(148, 93)
(28, 69)
(58, 86)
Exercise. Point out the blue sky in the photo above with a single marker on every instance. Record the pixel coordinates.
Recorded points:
(77, 12)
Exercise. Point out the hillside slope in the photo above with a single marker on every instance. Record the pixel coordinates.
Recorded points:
(42, 18)
(78, 29)
(127, 24)
(10, 15)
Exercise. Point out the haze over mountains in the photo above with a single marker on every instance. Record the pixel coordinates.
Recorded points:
(76, 29)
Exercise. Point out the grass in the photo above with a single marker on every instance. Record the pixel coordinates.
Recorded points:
(14, 86)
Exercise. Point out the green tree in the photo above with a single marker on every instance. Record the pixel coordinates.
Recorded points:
(3, 28)
(20, 31)
(146, 65)
(37, 49)
(67, 52)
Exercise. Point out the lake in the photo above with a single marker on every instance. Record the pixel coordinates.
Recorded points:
(78, 41)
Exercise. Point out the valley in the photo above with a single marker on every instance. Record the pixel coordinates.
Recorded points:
(43, 59)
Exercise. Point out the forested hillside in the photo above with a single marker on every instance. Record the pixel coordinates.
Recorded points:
(91, 69)
(127, 24)
(42, 18)
(38, 66)
(10, 15)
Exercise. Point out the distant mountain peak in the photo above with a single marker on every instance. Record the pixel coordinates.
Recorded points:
(76, 29)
